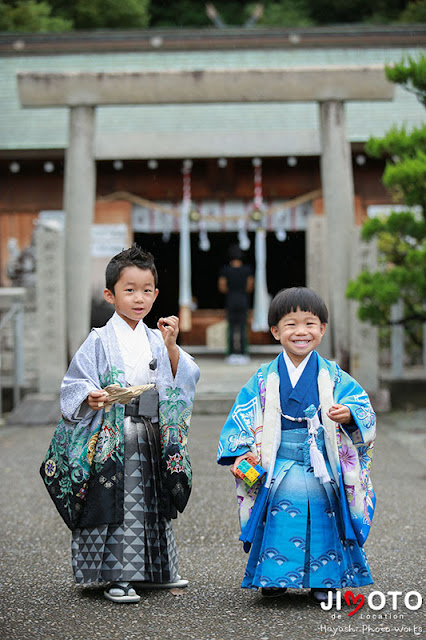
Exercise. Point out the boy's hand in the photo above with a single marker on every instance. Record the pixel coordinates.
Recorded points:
(169, 328)
(246, 456)
(96, 399)
(339, 413)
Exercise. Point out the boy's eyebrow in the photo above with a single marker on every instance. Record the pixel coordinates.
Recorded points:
(133, 285)
(309, 317)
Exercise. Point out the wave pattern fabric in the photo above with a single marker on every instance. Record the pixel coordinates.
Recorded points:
(301, 532)
(300, 544)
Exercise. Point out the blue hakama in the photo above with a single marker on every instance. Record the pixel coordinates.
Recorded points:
(300, 542)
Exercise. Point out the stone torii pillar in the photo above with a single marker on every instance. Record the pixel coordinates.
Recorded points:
(82, 92)
(338, 195)
(79, 205)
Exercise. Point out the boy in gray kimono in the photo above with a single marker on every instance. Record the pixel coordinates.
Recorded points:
(124, 533)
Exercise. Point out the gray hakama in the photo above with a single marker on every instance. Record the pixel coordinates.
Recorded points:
(143, 547)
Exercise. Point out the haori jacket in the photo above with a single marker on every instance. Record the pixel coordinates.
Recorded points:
(254, 424)
(84, 466)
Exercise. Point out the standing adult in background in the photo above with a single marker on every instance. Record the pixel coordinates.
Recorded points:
(236, 282)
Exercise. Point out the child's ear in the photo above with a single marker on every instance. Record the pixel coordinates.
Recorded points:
(323, 328)
(109, 296)
(275, 333)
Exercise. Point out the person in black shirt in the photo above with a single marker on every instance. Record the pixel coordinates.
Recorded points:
(236, 282)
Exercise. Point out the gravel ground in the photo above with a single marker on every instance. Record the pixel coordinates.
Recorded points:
(39, 600)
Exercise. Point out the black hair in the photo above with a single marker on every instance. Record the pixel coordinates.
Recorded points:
(235, 252)
(288, 300)
(133, 257)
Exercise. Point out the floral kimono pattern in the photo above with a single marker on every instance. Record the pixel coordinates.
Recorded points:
(254, 424)
(83, 468)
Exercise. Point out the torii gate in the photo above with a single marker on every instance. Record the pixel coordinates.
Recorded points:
(82, 92)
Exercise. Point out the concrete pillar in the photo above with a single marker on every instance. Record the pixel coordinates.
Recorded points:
(50, 296)
(317, 269)
(185, 283)
(338, 193)
(397, 340)
(185, 289)
(424, 343)
(364, 339)
(261, 296)
(79, 203)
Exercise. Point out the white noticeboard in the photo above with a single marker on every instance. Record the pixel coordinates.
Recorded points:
(383, 210)
(108, 239)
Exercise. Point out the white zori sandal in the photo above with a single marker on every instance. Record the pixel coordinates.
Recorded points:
(179, 583)
(121, 592)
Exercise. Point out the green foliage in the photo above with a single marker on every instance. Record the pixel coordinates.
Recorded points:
(63, 15)
(397, 142)
(30, 16)
(192, 13)
(402, 226)
(401, 237)
(179, 13)
(110, 14)
(355, 11)
(286, 14)
(415, 12)
(336, 11)
(407, 179)
(411, 74)
(401, 275)
(405, 172)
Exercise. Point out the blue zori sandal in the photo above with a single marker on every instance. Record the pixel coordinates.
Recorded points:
(121, 592)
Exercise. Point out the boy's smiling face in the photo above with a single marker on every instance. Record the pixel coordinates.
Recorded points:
(299, 332)
(134, 294)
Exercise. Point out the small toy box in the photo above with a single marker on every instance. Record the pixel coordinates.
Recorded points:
(250, 473)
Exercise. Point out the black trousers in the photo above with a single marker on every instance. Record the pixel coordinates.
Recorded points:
(237, 331)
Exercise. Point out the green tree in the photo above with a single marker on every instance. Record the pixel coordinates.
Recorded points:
(286, 14)
(411, 74)
(336, 11)
(301, 13)
(110, 14)
(31, 16)
(192, 13)
(401, 236)
(415, 12)
(61, 15)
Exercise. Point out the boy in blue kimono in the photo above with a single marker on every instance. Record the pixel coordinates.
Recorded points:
(312, 428)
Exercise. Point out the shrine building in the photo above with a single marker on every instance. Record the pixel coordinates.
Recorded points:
(251, 170)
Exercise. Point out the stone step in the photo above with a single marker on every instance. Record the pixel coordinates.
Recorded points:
(35, 409)
(213, 403)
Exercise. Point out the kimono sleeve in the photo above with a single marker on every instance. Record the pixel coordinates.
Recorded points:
(187, 374)
(238, 433)
(350, 393)
(81, 378)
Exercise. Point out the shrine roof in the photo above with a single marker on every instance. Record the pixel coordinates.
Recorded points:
(31, 129)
